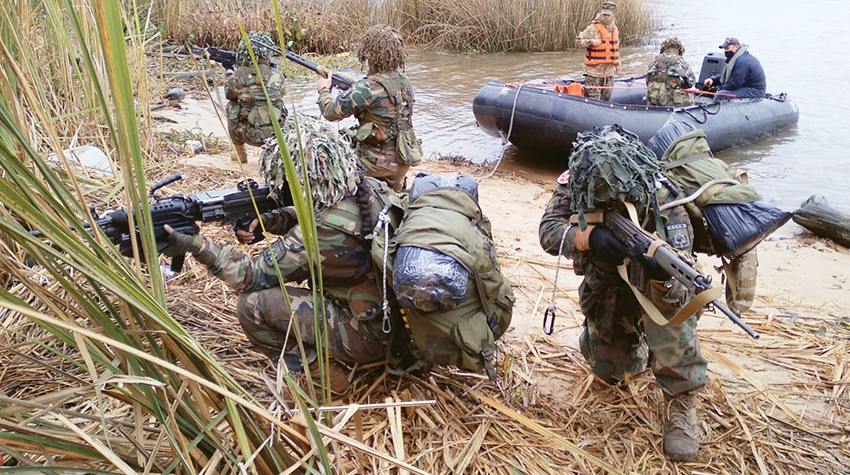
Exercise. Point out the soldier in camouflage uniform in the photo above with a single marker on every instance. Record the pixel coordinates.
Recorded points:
(382, 102)
(352, 298)
(618, 336)
(668, 74)
(602, 58)
(249, 118)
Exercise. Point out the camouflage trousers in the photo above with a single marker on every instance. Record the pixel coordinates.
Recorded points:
(265, 320)
(630, 340)
(382, 167)
(594, 83)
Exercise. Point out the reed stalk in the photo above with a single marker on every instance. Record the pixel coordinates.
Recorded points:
(330, 26)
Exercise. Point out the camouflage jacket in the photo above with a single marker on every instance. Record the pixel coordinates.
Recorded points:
(602, 287)
(584, 38)
(375, 108)
(347, 270)
(247, 102)
(668, 73)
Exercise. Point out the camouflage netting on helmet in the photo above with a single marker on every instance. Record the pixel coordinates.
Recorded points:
(330, 160)
(260, 52)
(674, 43)
(383, 48)
(608, 166)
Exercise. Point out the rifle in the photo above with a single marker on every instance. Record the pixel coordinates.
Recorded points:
(338, 80)
(638, 241)
(222, 56)
(181, 213)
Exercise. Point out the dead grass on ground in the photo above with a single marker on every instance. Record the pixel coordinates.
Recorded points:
(547, 414)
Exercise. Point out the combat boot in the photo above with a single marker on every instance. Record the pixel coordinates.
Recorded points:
(681, 428)
(337, 374)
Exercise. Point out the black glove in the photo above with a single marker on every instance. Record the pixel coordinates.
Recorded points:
(653, 268)
(179, 244)
(605, 247)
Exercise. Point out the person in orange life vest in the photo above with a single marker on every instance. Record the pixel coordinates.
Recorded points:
(602, 58)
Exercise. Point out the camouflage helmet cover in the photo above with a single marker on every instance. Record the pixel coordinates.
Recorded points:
(331, 162)
(261, 52)
(382, 48)
(673, 43)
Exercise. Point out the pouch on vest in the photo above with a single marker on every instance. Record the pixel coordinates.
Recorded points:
(475, 302)
(408, 148)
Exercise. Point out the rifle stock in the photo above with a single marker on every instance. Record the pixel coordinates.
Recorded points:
(638, 241)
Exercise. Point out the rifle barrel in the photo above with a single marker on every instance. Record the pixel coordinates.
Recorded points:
(735, 319)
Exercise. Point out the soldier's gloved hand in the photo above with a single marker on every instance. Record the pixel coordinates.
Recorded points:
(605, 247)
(179, 243)
(653, 269)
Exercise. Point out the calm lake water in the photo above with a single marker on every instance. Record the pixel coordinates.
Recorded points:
(791, 39)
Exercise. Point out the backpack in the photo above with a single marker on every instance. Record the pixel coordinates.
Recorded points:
(726, 212)
(728, 218)
(442, 262)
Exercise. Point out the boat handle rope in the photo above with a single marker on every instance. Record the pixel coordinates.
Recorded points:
(505, 137)
(705, 112)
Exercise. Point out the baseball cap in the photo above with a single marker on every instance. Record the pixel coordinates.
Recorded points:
(608, 8)
(729, 41)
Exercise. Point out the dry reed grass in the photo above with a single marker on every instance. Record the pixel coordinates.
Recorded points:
(470, 26)
(545, 406)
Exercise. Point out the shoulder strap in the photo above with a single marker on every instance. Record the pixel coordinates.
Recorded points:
(686, 160)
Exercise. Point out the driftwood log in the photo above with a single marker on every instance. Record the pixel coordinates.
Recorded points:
(816, 215)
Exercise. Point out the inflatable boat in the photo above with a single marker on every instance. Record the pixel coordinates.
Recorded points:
(541, 118)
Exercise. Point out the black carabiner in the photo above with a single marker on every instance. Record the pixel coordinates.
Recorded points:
(549, 320)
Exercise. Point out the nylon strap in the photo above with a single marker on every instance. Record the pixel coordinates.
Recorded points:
(686, 160)
(593, 217)
(695, 195)
(699, 301)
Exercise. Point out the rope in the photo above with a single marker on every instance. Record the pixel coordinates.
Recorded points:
(505, 137)
(384, 224)
(549, 314)
(700, 190)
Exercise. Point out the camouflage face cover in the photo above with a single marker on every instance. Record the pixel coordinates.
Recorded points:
(673, 43)
(260, 52)
(331, 162)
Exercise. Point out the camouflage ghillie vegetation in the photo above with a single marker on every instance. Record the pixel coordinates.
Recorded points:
(331, 162)
(608, 166)
(383, 48)
(260, 52)
(673, 43)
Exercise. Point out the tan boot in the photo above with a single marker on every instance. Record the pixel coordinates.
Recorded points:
(681, 429)
(338, 376)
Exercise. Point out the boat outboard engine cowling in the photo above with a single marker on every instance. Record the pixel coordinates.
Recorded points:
(712, 65)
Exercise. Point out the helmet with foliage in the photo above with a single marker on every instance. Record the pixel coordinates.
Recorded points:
(610, 165)
(383, 48)
(673, 43)
(331, 163)
(261, 52)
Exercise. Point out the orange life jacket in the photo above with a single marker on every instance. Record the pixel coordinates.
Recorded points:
(606, 53)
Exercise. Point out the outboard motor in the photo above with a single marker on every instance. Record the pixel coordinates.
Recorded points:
(712, 64)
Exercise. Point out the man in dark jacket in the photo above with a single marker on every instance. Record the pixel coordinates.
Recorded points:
(743, 75)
